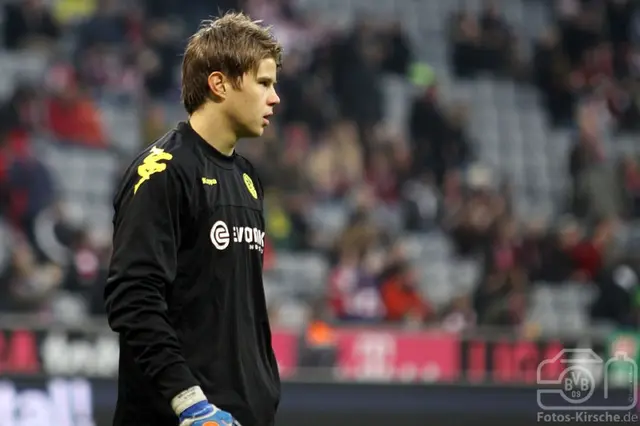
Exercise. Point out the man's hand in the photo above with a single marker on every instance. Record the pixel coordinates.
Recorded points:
(205, 414)
(193, 409)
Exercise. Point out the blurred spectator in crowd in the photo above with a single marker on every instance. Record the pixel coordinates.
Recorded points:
(470, 226)
(29, 23)
(617, 300)
(629, 175)
(585, 155)
(459, 315)
(589, 51)
(356, 75)
(500, 295)
(398, 55)
(106, 26)
(155, 122)
(466, 44)
(482, 43)
(556, 263)
(353, 286)
(531, 247)
(336, 164)
(72, 116)
(401, 297)
(592, 254)
(427, 127)
(28, 186)
(319, 341)
(383, 176)
(19, 113)
(591, 174)
(159, 58)
(84, 263)
(439, 140)
(497, 39)
(28, 285)
(302, 88)
(552, 77)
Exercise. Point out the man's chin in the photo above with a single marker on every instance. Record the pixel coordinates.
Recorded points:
(256, 133)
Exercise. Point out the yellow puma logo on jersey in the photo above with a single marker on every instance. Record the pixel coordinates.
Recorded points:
(151, 165)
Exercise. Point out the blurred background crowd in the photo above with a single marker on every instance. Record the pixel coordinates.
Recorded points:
(456, 164)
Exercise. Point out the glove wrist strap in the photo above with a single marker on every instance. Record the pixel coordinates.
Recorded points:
(186, 399)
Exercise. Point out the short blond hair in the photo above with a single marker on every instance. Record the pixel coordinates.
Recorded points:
(232, 44)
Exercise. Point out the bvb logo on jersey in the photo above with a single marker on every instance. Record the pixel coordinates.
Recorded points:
(250, 186)
(151, 165)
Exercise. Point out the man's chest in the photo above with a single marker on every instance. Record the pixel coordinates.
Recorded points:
(232, 213)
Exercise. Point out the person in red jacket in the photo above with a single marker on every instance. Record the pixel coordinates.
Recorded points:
(71, 115)
(589, 255)
(401, 299)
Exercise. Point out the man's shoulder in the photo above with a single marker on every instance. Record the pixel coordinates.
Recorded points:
(172, 144)
(172, 150)
(167, 158)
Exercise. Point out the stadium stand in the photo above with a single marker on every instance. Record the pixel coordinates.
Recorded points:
(417, 173)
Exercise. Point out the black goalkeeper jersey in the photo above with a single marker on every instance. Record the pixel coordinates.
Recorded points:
(185, 290)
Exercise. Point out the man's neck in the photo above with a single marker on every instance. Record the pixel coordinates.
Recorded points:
(214, 128)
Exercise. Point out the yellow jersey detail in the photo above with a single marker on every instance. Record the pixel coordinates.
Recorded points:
(249, 183)
(152, 165)
(209, 181)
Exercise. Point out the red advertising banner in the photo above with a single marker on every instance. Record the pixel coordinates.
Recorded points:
(18, 352)
(511, 361)
(285, 347)
(432, 356)
(398, 355)
(382, 355)
(361, 354)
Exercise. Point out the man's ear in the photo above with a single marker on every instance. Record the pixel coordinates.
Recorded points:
(218, 84)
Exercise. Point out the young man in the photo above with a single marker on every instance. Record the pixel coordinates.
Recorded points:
(185, 282)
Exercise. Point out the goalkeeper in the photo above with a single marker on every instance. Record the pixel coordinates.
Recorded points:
(184, 289)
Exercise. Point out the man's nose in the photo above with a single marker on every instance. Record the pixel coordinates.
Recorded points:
(274, 99)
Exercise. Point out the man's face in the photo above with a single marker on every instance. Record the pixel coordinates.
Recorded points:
(252, 104)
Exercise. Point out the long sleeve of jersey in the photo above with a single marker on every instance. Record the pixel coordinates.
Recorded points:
(150, 213)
